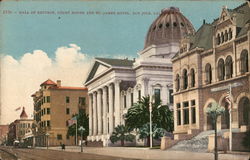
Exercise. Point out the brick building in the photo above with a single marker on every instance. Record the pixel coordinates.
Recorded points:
(208, 62)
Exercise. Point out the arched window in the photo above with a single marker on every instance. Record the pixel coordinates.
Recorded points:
(177, 83)
(185, 79)
(218, 39)
(222, 37)
(230, 35)
(221, 69)
(208, 70)
(192, 76)
(226, 36)
(244, 61)
(229, 67)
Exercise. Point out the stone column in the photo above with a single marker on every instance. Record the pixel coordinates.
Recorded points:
(99, 112)
(104, 97)
(94, 114)
(111, 111)
(90, 114)
(164, 95)
(117, 103)
(128, 98)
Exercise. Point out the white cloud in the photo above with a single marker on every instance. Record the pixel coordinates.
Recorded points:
(21, 78)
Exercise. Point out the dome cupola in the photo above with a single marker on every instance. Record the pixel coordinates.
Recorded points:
(169, 27)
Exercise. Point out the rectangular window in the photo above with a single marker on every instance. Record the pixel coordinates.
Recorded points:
(48, 99)
(48, 123)
(48, 110)
(157, 93)
(178, 106)
(125, 101)
(185, 104)
(132, 98)
(193, 115)
(59, 137)
(139, 95)
(67, 111)
(82, 101)
(186, 115)
(178, 117)
(67, 99)
(171, 97)
(186, 112)
(193, 103)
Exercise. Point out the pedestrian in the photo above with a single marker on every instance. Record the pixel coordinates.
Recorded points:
(63, 146)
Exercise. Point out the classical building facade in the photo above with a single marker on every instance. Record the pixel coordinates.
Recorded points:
(208, 63)
(19, 127)
(53, 106)
(115, 84)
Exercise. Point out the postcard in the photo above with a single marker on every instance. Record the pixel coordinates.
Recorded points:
(133, 79)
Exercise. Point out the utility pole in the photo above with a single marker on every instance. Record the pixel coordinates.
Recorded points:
(150, 120)
(230, 118)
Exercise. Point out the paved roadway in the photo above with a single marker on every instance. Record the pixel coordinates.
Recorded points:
(38, 154)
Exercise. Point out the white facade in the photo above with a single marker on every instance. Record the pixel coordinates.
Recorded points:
(114, 88)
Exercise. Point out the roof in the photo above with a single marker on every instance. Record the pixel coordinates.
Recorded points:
(169, 27)
(108, 62)
(48, 82)
(69, 88)
(203, 38)
(23, 114)
(116, 62)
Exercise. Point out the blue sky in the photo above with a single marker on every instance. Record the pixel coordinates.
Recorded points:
(97, 35)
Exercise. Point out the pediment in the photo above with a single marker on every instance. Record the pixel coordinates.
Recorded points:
(224, 15)
(96, 70)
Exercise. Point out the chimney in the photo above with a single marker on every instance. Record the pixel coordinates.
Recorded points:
(204, 21)
(58, 83)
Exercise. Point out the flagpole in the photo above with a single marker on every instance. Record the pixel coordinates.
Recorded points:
(230, 119)
(76, 131)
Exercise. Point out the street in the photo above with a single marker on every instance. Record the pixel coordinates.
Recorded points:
(42, 154)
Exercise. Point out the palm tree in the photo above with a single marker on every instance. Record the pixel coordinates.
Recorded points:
(137, 118)
(144, 132)
(138, 115)
(121, 133)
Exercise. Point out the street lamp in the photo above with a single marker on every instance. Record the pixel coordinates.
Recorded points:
(47, 136)
(151, 101)
(81, 129)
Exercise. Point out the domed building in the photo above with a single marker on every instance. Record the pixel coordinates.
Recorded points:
(115, 84)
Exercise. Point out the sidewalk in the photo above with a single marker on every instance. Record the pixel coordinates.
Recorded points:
(155, 154)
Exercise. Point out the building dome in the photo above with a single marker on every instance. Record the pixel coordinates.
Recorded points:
(169, 27)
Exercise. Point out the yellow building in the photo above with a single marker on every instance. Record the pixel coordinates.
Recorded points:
(53, 106)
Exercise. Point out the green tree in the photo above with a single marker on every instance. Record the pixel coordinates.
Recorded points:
(138, 115)
(214, 112)
(144, 132)
(82, 120)
(122, 133)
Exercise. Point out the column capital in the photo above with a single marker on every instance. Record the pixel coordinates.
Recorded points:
(99, 90)
(117, 81)
(145, 79)
(104, 89)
